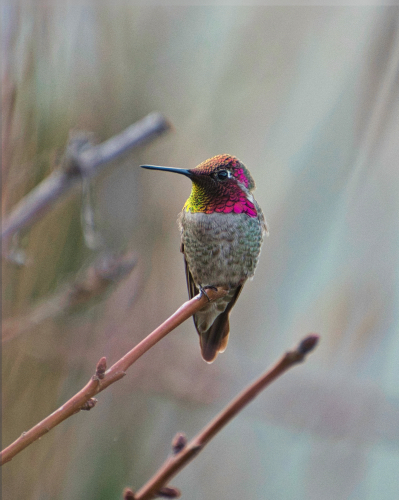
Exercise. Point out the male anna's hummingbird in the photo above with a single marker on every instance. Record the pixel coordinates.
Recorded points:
(222, 228)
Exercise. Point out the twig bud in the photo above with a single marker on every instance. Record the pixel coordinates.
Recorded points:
(308, 343)
(128, 494)
(169, 492)
(90, 403)
(101, 368)
(178, 442)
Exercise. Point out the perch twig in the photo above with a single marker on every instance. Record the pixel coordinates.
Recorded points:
(101, 380)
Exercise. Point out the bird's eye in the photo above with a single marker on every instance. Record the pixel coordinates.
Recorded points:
(222, 175)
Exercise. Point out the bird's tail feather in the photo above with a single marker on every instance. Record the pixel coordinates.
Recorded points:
(215, 338)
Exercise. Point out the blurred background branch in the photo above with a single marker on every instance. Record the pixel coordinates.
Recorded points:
(82, 159)
(92, 282)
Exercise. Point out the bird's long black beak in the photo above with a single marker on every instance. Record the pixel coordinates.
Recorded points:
(183, 171)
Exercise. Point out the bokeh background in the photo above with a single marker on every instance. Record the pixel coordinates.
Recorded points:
(308, 99)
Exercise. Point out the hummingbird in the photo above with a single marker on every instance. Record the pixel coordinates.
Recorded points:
(222, 229)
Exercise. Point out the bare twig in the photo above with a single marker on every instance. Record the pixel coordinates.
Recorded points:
(116, 372)
(82, 160)
(91, 283)
(180, 459)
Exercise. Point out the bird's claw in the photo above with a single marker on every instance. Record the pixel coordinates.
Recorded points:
(203, 291)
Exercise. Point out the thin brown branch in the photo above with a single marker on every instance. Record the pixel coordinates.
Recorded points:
(180, 459)
(82, 159)
(91, 283)
(116, 372)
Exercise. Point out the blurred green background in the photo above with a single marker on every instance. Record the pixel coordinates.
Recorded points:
(308, 99)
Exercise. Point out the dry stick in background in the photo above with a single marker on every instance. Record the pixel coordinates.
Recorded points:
(91, 283)
(82, 160)
(102, 379)
(182, 453)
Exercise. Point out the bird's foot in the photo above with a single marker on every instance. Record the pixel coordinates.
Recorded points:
(203, 291)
